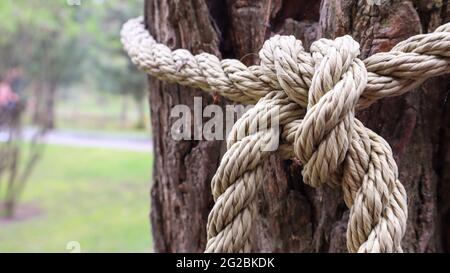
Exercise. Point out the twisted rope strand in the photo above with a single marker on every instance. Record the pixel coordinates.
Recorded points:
(391, 73)
(314, 97)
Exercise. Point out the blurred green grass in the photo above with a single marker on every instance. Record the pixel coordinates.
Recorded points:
(98, 197)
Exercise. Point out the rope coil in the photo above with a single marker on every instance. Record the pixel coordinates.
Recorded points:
(316, 95)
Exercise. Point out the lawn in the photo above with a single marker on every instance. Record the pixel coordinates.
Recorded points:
(97, 197)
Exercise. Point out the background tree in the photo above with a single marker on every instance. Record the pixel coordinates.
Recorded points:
(294, 217)
(114, 71)
(58, 48)
(44, 41)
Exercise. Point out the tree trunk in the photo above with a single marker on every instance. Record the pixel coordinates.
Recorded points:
(292, 216)
(43, 108)
(124, 110)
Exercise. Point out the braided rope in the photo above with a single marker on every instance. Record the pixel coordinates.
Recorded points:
(315, 96)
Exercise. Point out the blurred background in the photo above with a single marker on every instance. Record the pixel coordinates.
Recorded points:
(75, 148)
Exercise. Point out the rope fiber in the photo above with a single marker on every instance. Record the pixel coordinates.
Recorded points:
(315, 95)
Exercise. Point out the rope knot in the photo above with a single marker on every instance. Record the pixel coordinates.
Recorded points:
(324, 135)
(331, 144)
(328, 83)
(316, 94)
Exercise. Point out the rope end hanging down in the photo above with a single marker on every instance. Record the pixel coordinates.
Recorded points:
(316, 95)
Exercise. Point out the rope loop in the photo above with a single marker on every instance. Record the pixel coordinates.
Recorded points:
(315, 95)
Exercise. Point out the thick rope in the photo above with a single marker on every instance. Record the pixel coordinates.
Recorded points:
(315, 96)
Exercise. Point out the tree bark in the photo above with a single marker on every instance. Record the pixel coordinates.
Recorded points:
(293, 217)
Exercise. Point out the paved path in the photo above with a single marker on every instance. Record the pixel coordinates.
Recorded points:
(95, 139)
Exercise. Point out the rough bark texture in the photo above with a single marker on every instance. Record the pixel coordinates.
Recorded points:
(292, 216)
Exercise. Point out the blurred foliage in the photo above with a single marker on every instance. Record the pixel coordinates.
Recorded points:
(59, 44)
